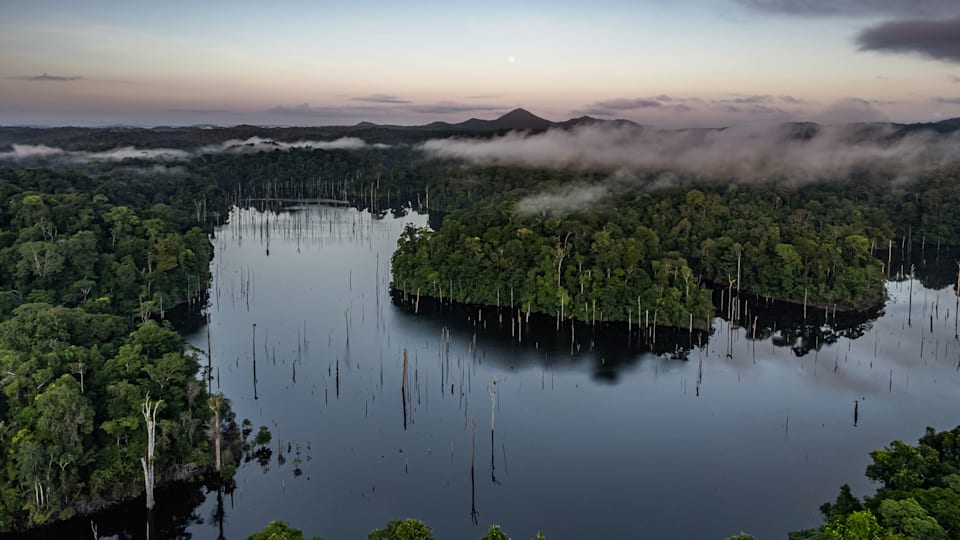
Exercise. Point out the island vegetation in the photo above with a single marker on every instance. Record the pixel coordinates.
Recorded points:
(828, 245)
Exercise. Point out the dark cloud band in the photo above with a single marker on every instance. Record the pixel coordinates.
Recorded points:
(381, 98)
(939, 39)
(47, 77)
(816, 8)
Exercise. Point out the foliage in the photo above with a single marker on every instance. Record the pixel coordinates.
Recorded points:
(408, 529)
(279, 530)
(582, 266)
(808, 244)
(919, 495)
(495, 533)
(82, 276)
(263, 436)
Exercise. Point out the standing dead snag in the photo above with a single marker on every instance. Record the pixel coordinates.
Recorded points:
(493, 408)
(956, 311)
(149, 411)
(215, 403)
(209, 354)
(474, 515)
(561, 254)
(403, 389)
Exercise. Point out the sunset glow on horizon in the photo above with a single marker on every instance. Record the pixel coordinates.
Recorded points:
(673, 64)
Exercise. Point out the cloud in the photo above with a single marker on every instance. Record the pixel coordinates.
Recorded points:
(815, 8)
(617, 106)
(954, 78)
(764, 109)
(198, 111)
(937, 39)
(751, 99)
(304, 109)
(448, 107)
(752, 104)
(566, 199)
(21, 152)
(381, 98)
(380, 104)
(29, 152)
(947, 101)
(850, 110)
(48, 77)
(793, 100)
(258, 144)
(626, 104)
(749, 153)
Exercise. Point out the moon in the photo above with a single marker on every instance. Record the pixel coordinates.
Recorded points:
(511, 59)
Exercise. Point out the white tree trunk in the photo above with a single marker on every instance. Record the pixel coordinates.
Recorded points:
(149, 412)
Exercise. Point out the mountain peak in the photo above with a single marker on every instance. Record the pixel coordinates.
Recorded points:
(520, 118)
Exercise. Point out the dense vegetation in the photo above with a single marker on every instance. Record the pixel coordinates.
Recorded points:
(817, 244)
(93, 255)
(918, 498)
(581, 266)
(83, 276)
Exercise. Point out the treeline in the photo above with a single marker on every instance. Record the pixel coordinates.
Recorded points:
(86, 267)
(926, 206)
(577, 267)
(823, 244)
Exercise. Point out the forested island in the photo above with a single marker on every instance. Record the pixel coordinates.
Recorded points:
(823, 245)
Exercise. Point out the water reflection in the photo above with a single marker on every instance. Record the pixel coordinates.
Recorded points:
(176, 513)
(592, 427)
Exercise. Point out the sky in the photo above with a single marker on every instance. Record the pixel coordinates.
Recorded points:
(670, 63)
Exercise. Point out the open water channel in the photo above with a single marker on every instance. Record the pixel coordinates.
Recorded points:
(702, 436)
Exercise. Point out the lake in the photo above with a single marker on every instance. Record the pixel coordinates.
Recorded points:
(608, 435)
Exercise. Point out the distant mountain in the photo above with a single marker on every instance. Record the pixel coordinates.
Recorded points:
(521, 120)
(105, 138)
(591, 121)
(515, 120)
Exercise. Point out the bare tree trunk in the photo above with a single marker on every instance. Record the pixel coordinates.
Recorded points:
(215, 403)
(149, 411)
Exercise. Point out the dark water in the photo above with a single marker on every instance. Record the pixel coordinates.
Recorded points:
(611, 437)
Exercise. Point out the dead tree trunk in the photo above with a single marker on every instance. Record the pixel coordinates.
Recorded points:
(215, 403)
(149, 411)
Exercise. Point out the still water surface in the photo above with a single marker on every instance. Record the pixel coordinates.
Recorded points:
(611, 436)
(614, 440)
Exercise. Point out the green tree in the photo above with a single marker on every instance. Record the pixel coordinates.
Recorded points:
(495, 533)
(279, 530)
(909, 519)
(408, 529)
